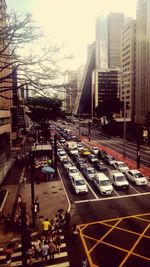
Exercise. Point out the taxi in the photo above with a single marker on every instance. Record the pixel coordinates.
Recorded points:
(85, 152)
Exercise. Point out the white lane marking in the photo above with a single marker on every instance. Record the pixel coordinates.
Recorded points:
(108, 198)
(69, 204)
(138, 192)
(63, 264)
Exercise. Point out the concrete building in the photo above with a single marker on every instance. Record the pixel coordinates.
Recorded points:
(142, 85)
(71, 93)
(5, 94)
(104, 86)
(127, 75)
(115, 27)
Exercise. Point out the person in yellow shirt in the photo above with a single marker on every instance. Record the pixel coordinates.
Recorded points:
(46, 226)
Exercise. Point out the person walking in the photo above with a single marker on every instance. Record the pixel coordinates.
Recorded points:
(44, 252)
(52, 249)
(24, 181)
(57, 241)
(46, 226)
(67, 219)
(8, 253)
(37, 203)
(30, 253)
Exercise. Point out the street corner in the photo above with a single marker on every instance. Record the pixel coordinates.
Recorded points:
(118, 242)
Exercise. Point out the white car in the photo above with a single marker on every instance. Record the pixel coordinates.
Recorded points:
(79, 185)
(89, 172)
(120, 166)
(103, 184)
(61, 155)
(94, 150)
(109, 159)
(136, 177)
(72, 171)
(80, 147)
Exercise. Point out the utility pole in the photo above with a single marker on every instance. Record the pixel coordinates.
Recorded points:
(55, 154)
(24, 240)
(32, 189)
(89, 131)
(138, 158)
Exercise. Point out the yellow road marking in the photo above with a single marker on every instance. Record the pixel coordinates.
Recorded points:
(135, 244)
(98, 241)
(142, 219)
(125, 250)
(107, 233)
(126, 230)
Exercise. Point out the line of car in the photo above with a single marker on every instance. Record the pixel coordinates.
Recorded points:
(92, 164)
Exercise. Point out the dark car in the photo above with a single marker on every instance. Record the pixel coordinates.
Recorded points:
(99, 165)
(101, 154)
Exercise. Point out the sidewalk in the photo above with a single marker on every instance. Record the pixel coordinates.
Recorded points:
(51, 197)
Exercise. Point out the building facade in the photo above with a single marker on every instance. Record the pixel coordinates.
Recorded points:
(5, 92)
(142, 84)
(71, 93)
(127, 74)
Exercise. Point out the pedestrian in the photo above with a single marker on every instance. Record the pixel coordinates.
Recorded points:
(52, 249)
(75, 232)
(37, 203)
(85, 262)
(19, 201)
(8, 253)
(37, 247)
(57, 241)
(24, 181)
(46, 226)
(67, 219)
(7, 223)
(36, 211)
(30, 254)
(44, 252)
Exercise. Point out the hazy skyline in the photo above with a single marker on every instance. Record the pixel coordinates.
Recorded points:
(72, 22)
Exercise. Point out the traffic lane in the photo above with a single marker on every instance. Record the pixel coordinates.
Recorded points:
(112, 208)
(118, 239)
(73, 197)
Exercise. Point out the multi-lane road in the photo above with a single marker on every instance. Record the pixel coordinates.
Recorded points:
(114, 230)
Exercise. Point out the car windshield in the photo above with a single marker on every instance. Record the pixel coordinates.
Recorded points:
(80, 182)
(61, 153)
(138, 175)
(120, 178)
(91, 171)
(73, 170)
(105, 182)
(122, 165)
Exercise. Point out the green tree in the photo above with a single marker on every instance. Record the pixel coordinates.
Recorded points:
(108, 108)
(22, 46)
(43, 109)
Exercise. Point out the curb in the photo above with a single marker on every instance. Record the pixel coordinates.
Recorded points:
(4, 200)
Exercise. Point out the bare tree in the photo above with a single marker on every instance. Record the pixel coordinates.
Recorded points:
(19, 49)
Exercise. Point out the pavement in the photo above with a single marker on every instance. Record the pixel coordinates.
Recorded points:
(52, 196)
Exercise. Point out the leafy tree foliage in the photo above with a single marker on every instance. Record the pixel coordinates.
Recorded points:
(108, 108)
(43, 109)
(37, 65)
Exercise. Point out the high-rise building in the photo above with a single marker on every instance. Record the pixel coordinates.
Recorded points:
(127, 74)
(115, 27)
(142, 85)
(71, 93)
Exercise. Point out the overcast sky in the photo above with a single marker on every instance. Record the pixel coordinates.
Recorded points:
(72, 22)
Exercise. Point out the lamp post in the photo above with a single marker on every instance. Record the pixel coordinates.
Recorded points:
(32, 189)
(123, 74)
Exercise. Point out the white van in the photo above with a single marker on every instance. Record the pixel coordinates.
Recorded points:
(103, 184)
(118, 179)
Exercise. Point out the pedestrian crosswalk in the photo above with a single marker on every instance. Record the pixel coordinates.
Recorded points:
(60, 259)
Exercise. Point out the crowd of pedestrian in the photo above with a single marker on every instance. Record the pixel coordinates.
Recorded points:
(49, 242)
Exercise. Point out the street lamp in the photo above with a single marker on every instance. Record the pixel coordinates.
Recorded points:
(123, 74)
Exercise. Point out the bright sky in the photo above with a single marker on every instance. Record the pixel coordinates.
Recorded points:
(72, 22)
